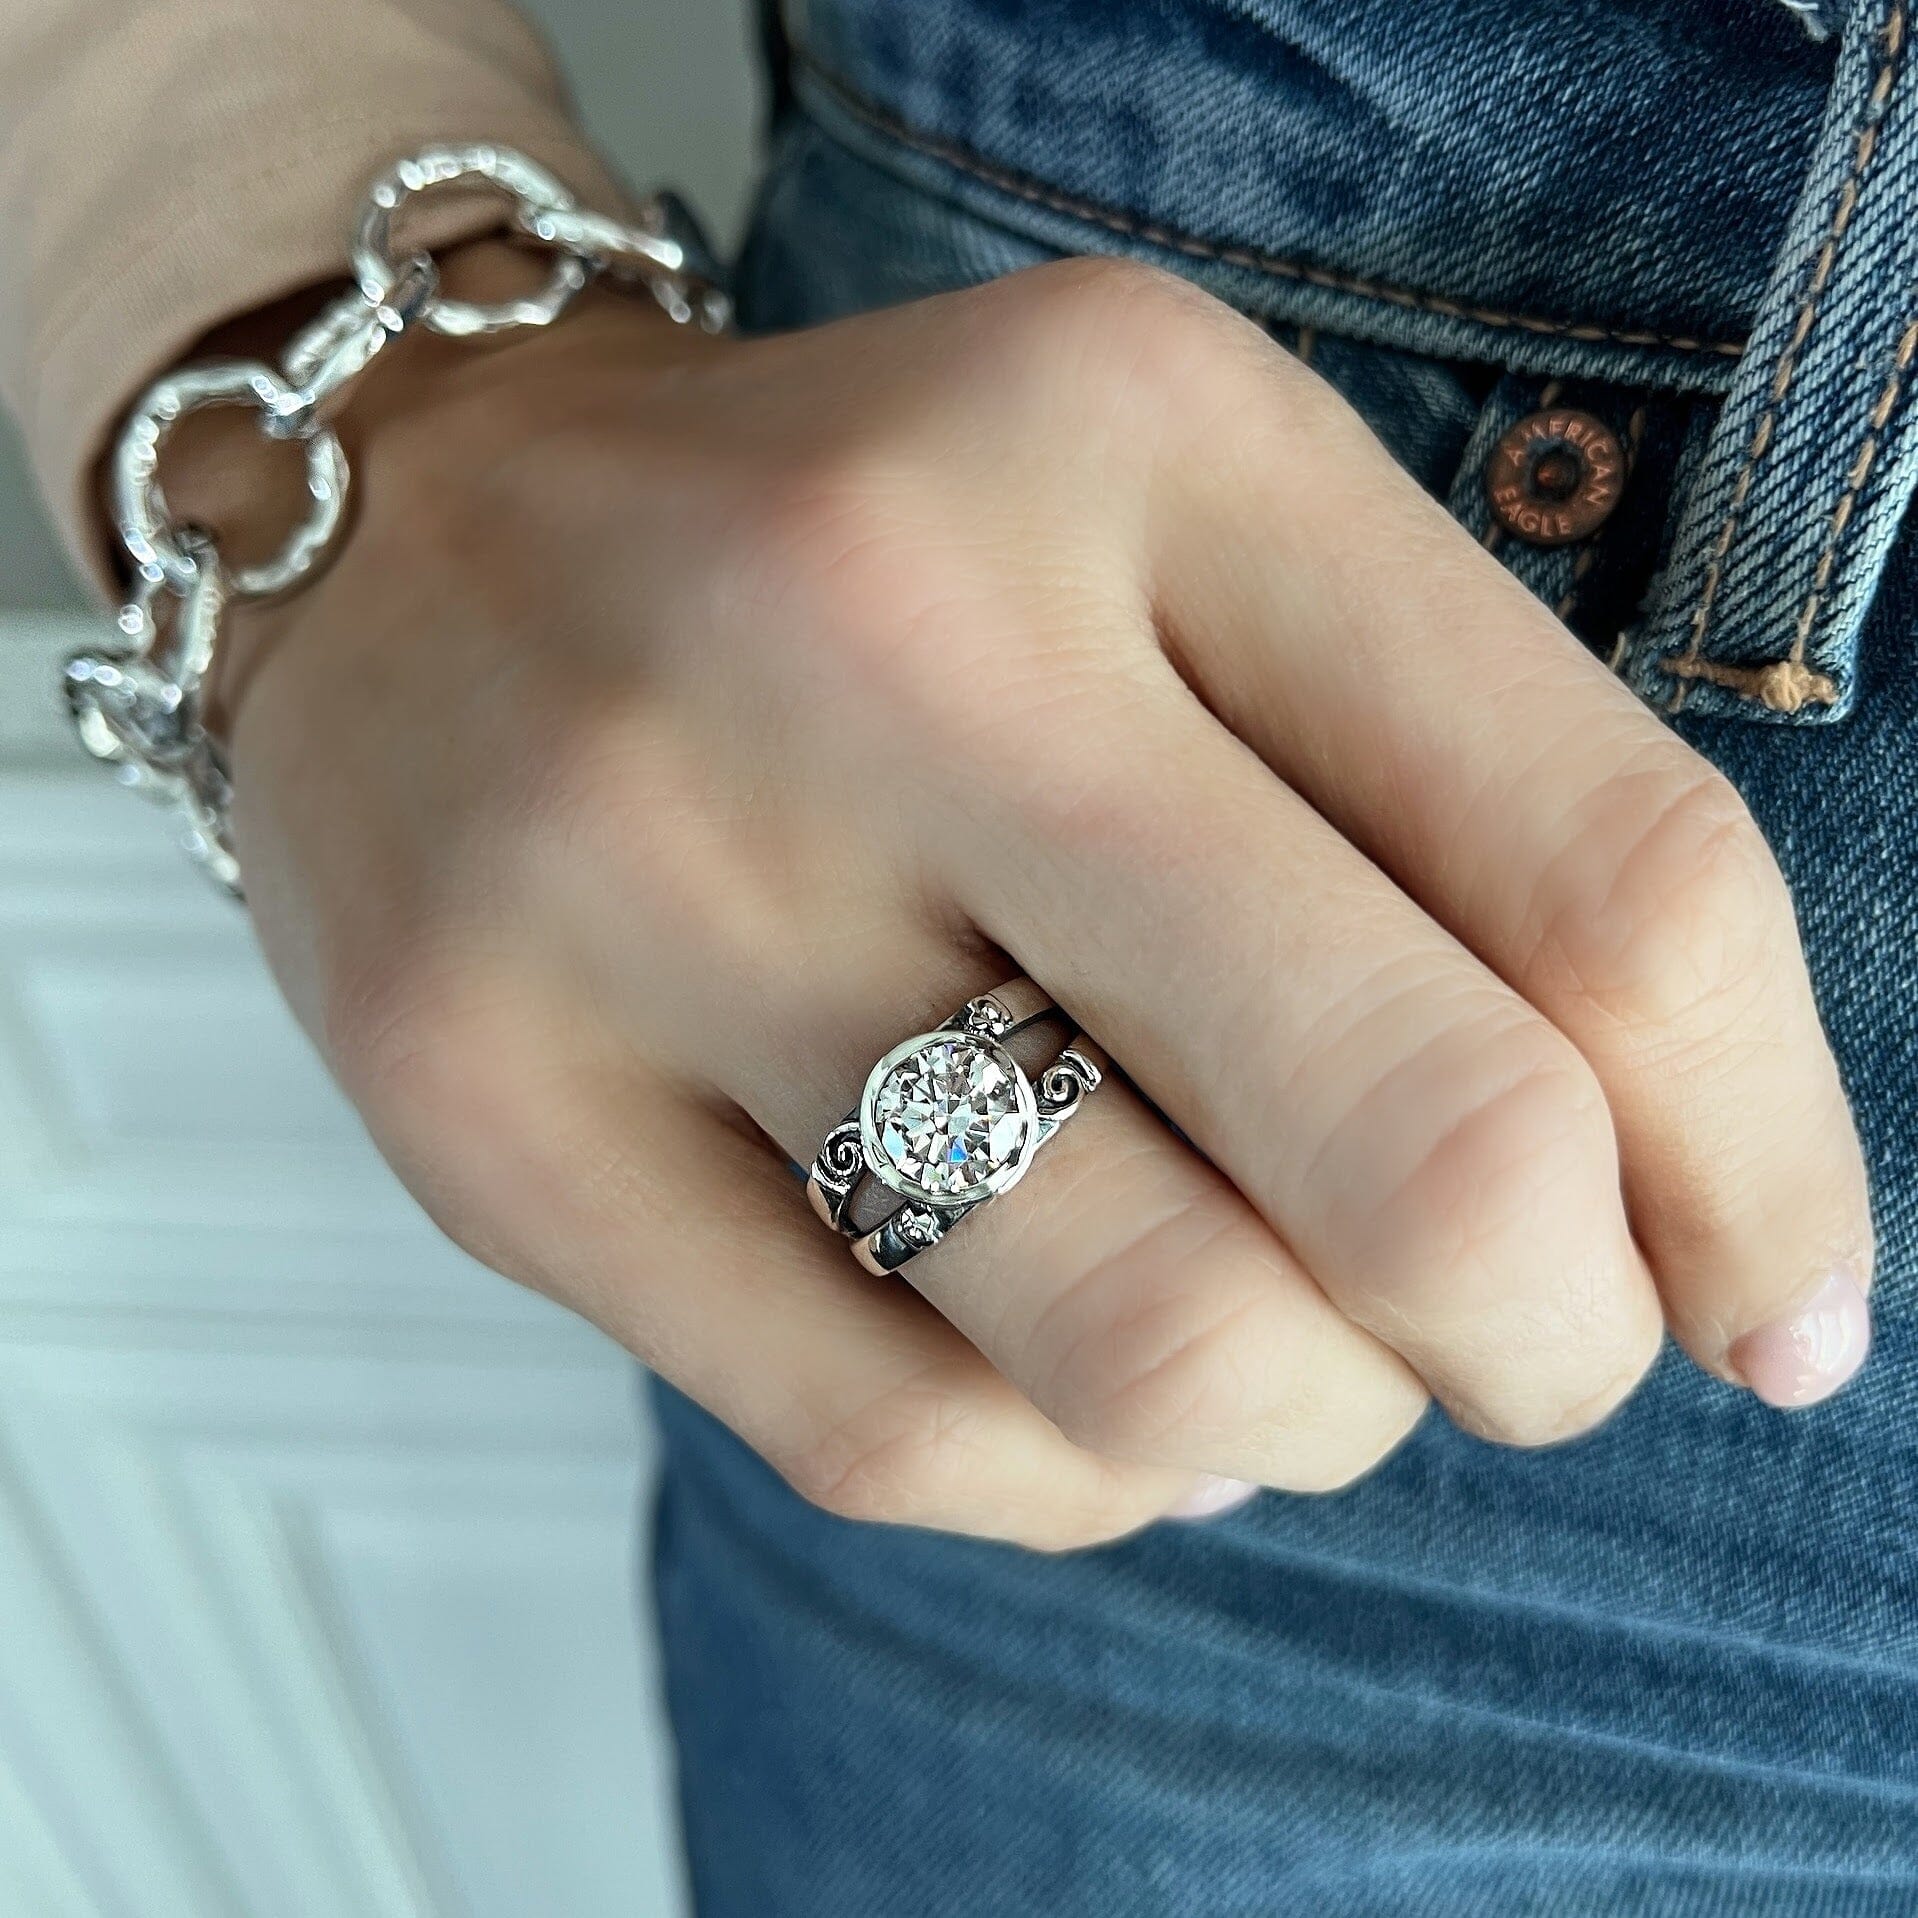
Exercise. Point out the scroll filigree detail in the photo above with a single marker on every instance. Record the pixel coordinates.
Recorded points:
(836, 1172)
(1063, 1085)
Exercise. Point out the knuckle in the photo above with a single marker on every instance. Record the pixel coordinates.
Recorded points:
(1530, 1421)
(1349, 1436)
(917, 1454)
(1190, 1347)
(1337, 1470)
(1516, 1150)
(908, 1456)
(590, 786)
(1504, 1256)
(1512, 1144)
(1081, 1531)
(1160, 1382)
(1097, 293)
(1205, 1388)
(611, 798)
(1116, 330)
(1684, 919)
(1095, 793)
(1184, 1350)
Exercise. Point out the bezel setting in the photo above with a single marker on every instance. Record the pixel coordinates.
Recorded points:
(1004, 1175)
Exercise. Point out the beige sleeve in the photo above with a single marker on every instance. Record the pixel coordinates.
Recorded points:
(169, 164)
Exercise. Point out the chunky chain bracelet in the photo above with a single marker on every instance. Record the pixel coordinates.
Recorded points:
(140, 705)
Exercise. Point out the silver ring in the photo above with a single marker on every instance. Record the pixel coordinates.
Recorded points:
(948, 1120)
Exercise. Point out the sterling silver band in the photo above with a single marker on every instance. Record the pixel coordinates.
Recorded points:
(948, 1120)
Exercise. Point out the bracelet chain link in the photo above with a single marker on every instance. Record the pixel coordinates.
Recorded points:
(140, 704)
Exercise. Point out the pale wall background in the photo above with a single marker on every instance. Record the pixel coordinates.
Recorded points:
(321, 1592)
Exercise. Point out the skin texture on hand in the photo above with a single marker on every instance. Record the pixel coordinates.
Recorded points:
(688, 721)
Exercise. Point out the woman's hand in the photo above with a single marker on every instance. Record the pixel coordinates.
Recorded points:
(686, 722)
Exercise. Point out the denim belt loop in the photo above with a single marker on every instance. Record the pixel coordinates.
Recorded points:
(1813, 457)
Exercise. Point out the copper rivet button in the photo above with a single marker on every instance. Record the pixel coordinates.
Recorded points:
(1555, 476)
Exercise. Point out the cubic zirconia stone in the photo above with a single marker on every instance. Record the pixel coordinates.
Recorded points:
(947, 1117)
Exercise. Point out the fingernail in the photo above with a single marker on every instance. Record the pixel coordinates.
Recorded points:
(1807, 1357)
(1212, 1497)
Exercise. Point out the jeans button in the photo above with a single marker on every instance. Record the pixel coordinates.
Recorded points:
(1555, 476)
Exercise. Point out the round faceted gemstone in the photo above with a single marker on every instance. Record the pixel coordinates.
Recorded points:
(947, 1117)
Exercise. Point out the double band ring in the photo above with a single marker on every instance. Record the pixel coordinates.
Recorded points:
(948, 1120)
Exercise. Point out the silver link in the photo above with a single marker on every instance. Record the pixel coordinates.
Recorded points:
(606, 242)
(146, 526)
(329, 353)
(662, 250)
(531, 189)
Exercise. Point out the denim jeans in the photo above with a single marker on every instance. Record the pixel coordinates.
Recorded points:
(1671, 1668)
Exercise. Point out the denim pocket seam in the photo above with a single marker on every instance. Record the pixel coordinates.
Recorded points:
(1787, 684)
(1856, 475)
(889, 125)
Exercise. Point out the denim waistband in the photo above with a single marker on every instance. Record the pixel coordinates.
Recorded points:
(1701, 198)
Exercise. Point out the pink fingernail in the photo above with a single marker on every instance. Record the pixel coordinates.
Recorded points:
(1807, 1357)
(1212, 1497)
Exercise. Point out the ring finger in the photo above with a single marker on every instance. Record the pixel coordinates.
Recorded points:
(1125, 1286)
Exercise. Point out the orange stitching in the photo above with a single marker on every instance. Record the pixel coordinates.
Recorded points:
(1037, 193)
(1782, 684)
(1855, 480)
(1686, 667)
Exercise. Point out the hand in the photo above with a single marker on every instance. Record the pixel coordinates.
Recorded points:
(686, 722)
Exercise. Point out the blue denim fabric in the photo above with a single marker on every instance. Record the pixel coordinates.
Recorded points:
(1671, 1669)
(1622, 188)
(1520, 182)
